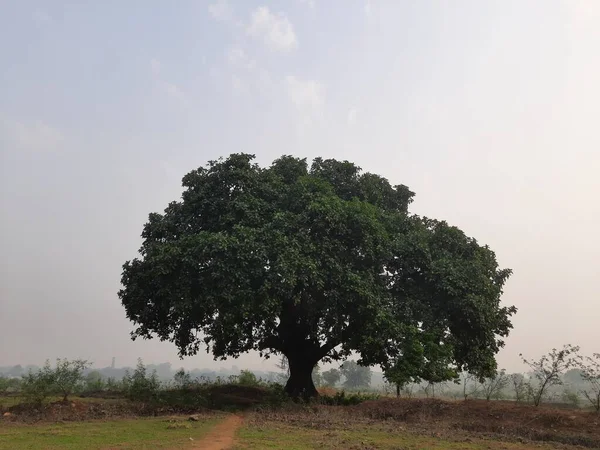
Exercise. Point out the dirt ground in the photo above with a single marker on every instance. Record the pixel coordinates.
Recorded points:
(567, 426)
(222, 436)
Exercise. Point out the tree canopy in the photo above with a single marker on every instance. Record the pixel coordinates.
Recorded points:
(315, 263)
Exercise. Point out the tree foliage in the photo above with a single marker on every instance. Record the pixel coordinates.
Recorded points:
(331, 377)
(313, 263)
(355, 376)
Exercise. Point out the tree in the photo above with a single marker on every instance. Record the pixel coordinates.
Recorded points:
(470, 385)
(38, 385)
(247, 378)
(331, 377)
(356, 376)
(549, 369)
(519, 385)
(590, 373)
(313, 264)
(94, 381)
(8, 384)
(492, 386)
(67, 375)
(317, 377)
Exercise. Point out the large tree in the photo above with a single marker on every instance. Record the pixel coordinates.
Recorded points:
(313, 263)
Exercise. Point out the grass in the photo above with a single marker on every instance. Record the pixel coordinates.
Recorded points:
(134, 434)
(273, 435)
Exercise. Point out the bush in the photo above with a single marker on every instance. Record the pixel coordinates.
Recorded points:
(247, 378)
(342, 399)
(9, 385)
(38, 386)
(140, 386)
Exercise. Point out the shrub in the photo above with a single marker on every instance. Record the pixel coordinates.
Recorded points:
(343, 399)
(247, 378)
(38, 386)
(140, 386)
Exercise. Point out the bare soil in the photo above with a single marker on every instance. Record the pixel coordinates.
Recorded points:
(222, 436)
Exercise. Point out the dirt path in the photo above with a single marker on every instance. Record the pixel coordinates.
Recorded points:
(221, 437)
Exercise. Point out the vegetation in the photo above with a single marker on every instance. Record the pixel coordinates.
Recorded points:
(314, 264)
(140, 433)
(548, 370)
(590, 373)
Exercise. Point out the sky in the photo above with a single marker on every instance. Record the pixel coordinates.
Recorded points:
(488, 110)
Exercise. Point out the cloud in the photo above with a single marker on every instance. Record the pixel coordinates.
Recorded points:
(351, 117)
(238, 58)
(308, 96)
(32, 137)
(275, 30)
(221, 10)
(368, 7)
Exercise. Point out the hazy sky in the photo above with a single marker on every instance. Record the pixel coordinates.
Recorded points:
(488, 110)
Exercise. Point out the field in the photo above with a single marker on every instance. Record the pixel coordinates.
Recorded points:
(377, 424)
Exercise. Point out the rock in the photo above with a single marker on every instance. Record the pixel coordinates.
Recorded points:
(193, 419)
(7, 414)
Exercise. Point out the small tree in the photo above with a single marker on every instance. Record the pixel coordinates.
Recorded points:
(317, 376)
(67, 375)
(492, 387)
(141, 386)
(355, 376)
(470, 385)
(549, 369)
(247, 378)
(590, 372)
(94, 382)
(331, 377)
(182, 379)
(519, 386)
(9, 384)
(38, 386)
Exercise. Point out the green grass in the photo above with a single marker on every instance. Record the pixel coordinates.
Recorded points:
(152, 433)
(274, 435)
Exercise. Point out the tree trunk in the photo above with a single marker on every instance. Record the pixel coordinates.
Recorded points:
(300, 383)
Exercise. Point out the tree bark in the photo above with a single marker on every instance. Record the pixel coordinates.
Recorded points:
(300, 383)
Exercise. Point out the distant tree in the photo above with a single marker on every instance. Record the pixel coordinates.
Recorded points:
(317, 376)
(356, 376)
(247, 378)
(548, 370)
(314, 264)
(492, 386)
(16, 371)
(470, 385)
(331, 377)
(140, 386)
(590, 372)
(182, 379)
(573, 376)
(519, 386)
(68, 374)
(94, 381)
